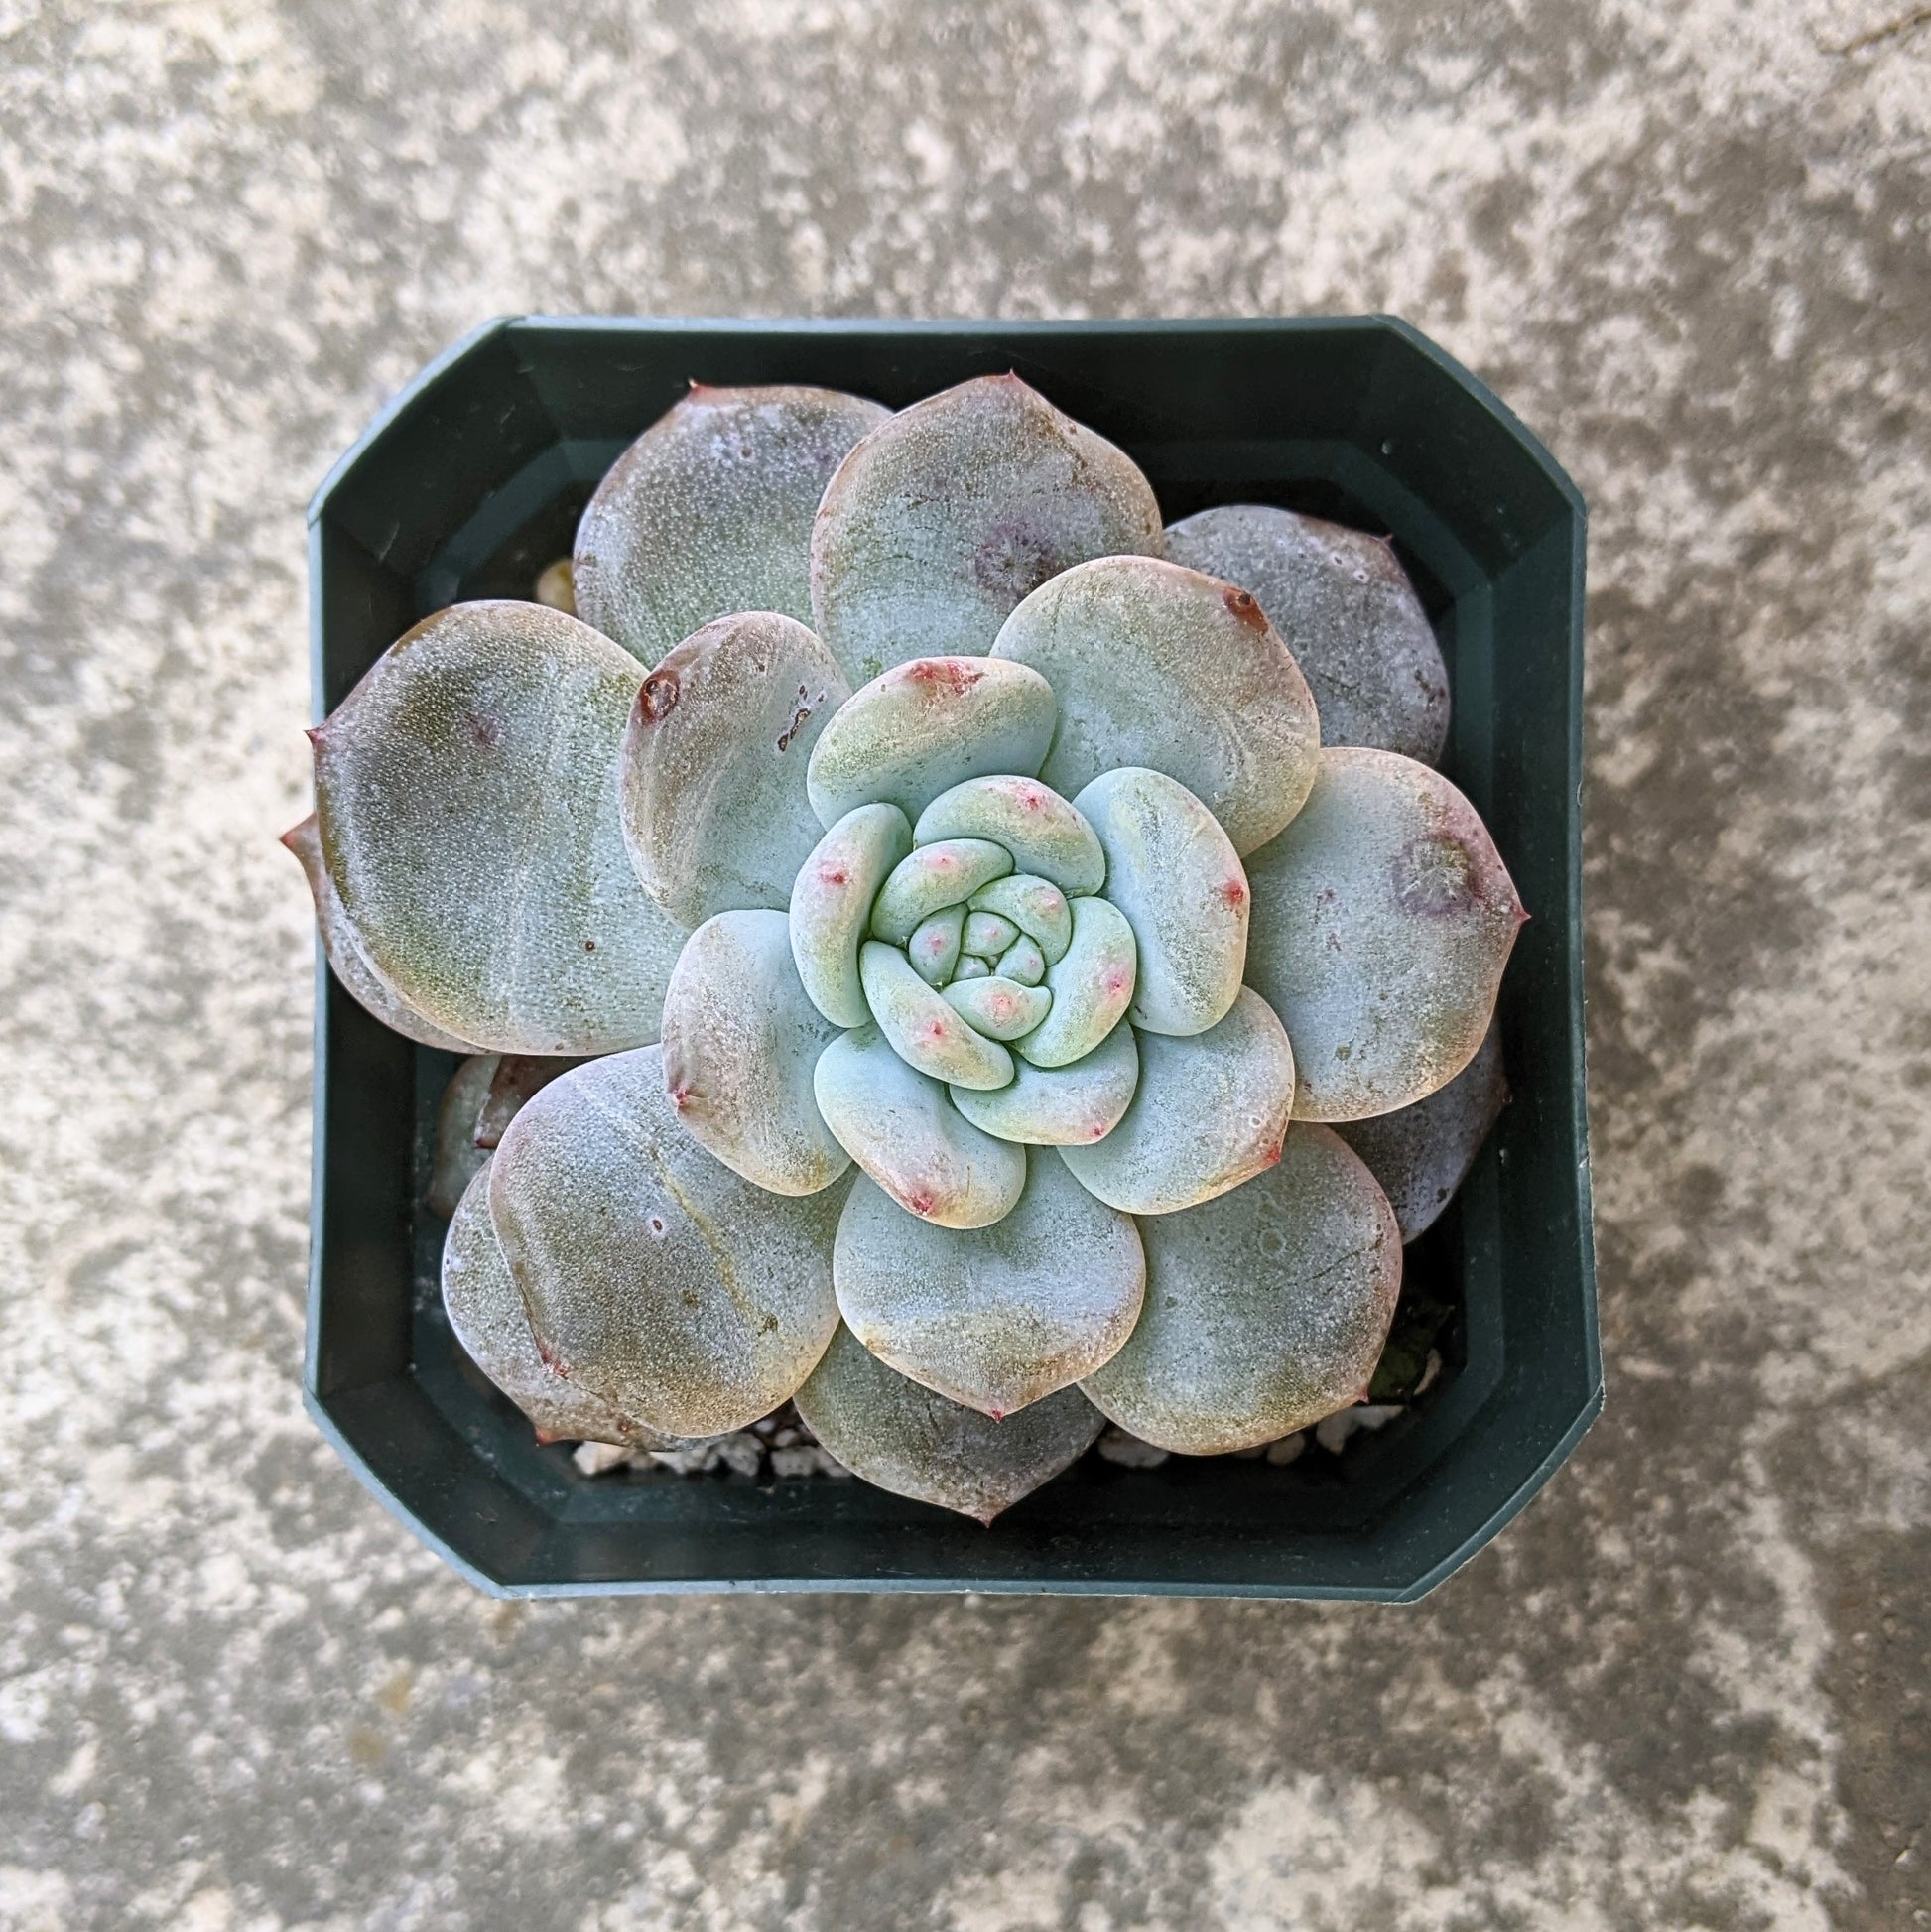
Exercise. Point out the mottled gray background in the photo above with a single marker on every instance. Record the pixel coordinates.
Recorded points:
(1687, 240)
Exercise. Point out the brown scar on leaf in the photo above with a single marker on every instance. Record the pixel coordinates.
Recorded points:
(658, 697)
(1242, 606)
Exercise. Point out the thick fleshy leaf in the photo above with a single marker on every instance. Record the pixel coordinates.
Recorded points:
(932, 877)
(1000, 1008)
(1068, 1106)
(997, 1317)
(911, 1440)
(1265, 1310)
(971, 967)
(349, 957)
(1346, 610)
(1175, 875)
(518, 1079)
(1382, 919)
(1156, 664)
(711, 510)
(712, 782)
(459, 1117)
(902, 1128)
(922, 1027)
(943, 518)
(830, 906)
(467, 796)
(1036, 906)
(1046, 835)
(1209, 1113)
(1023, 961)
(694, 1300)
(1421, 1154)
(925, 726)
(934, 946)
(486, 1309)
(1091, 983)
(740, 1041)
(989, 934)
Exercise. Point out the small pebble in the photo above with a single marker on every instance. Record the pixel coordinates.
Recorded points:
(1117, 1446)
(599, 1458)
(1287, 1449)
(1336, 1430)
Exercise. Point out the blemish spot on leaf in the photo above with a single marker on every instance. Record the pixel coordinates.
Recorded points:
(1433, 876)
(1242, 606)
(658, 699)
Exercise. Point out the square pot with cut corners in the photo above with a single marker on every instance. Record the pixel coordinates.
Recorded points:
(471, 481)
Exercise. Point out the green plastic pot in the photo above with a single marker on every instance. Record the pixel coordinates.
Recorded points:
(472, 480)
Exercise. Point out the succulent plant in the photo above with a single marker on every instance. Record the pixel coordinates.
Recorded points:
(905, 800)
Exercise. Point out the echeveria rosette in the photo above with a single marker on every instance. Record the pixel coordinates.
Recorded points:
(1052, 927)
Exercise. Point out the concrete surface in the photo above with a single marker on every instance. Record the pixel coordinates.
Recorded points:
(1688, 240)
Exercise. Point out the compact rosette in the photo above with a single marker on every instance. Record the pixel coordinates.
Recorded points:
(1062, 926)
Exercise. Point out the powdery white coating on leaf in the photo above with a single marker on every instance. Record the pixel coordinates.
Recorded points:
(1210, 1113)
(1421, 1154)
(932, 877)
(971, 967)
(486, 1309)
(740, 1041)
(1382, 919)
(692, 1299)
(1265, 1311)
(989, 934)
(1091, 983)
(923, 726)
(1000, 1008)
(934, 946)
(1046, 835)
(1036, 906)
(922, 1027)
(1157, 665)
(998, 1317)
(712, 776)
(1067, 1106)
(1175, 875)
(349, 957)
(830, 906)
(468, 796)
(459, 1117)
(943, 518)
(711, 510)
(911, 1440)
(902, 1128)
(1346, 610)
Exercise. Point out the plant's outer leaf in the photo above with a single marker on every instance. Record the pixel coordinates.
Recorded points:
(922, 1025)
(1156, 664)
(694, 1300)
(458, 1119)
(712, 783)
(518, 1077)
(1421, 1154)
(711, 510)
(1265, 1311)
(1036, 906)
(1382, 919)
(1068, 1106)
(467, 795)
(1209, 1113)
(1046, 835)
(904, 1131)
(349, 957)
(925, 726)
(934, 946)
(997, 1007)
(740, 1041)
(830, 906)
(1174, 874)
(1346, 610)
(1091, 984)
(898, 1436)
(943, 518)
(998, 1317)
(486, 1309)
(932, 877)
